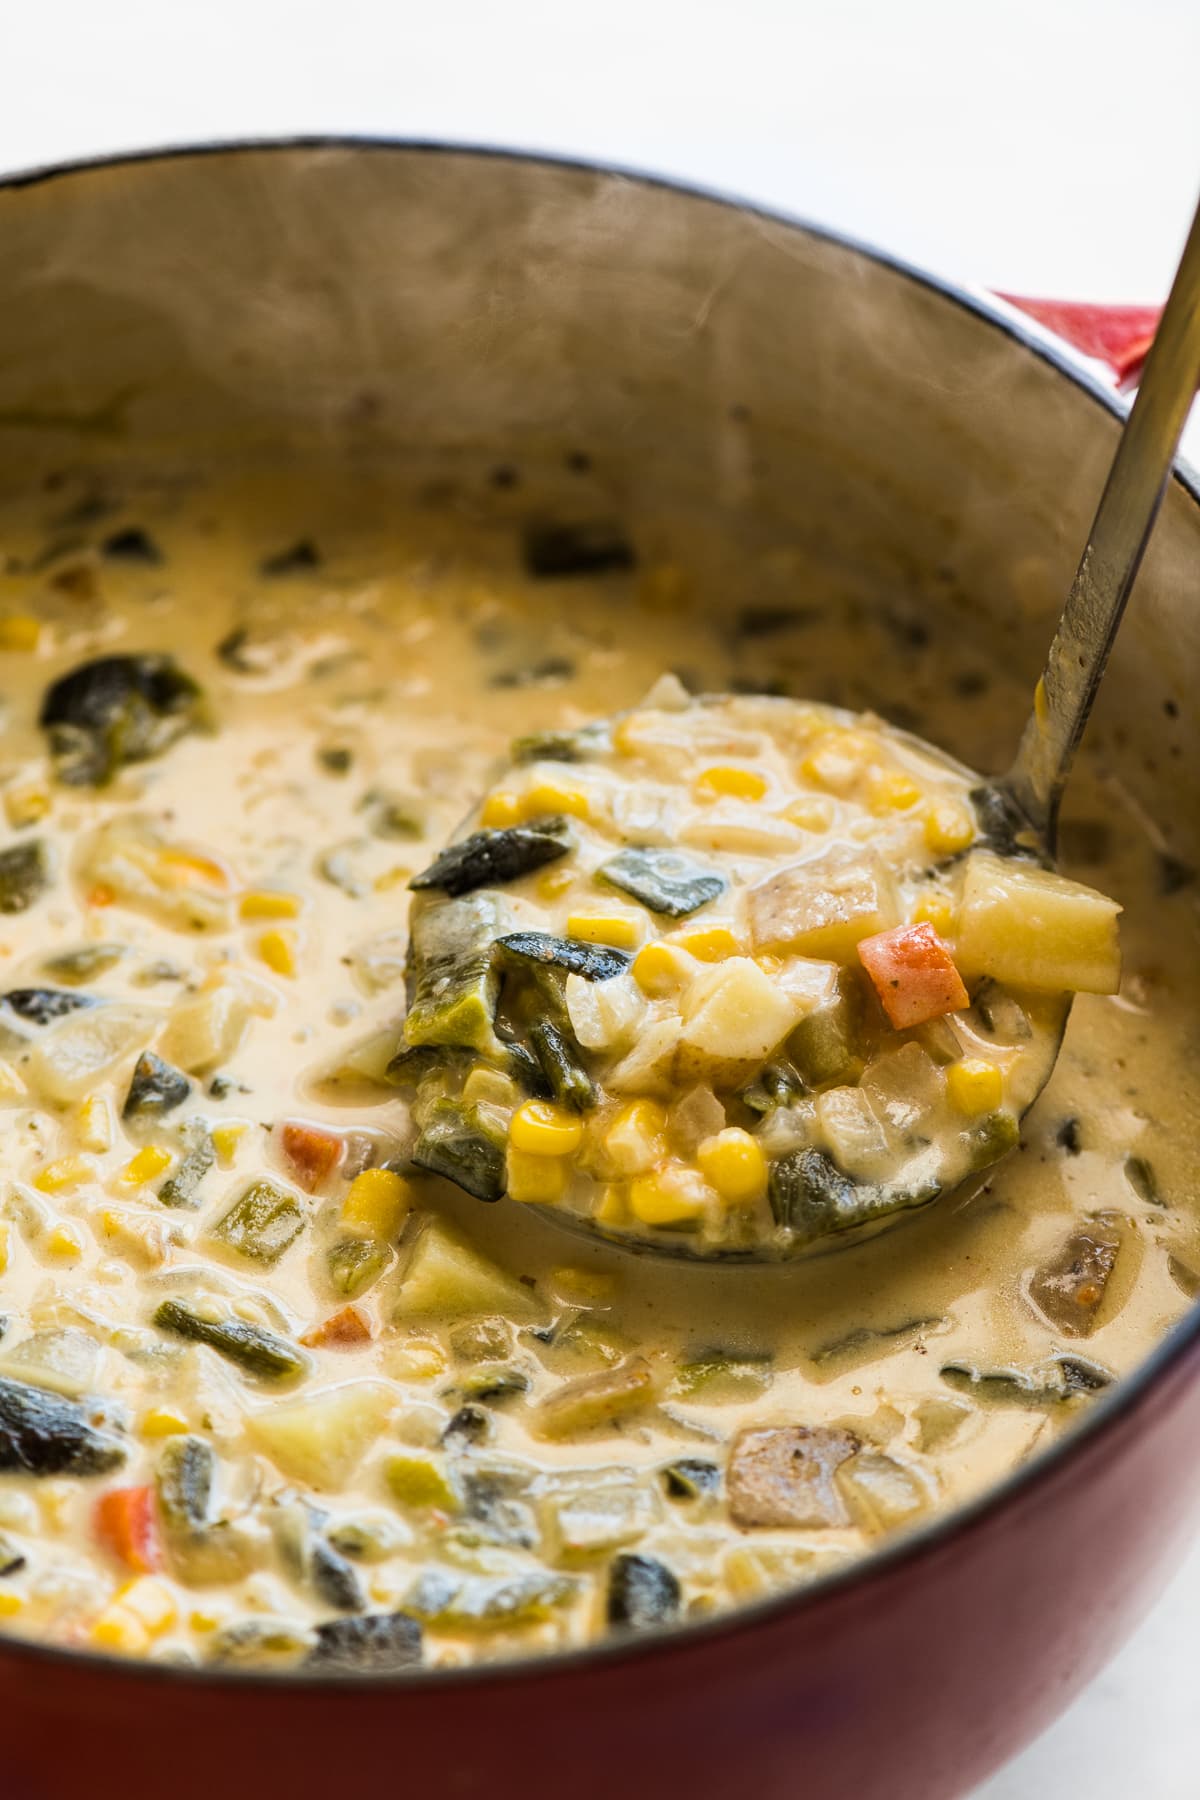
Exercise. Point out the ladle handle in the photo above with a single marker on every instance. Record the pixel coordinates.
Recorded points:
(1127, 510)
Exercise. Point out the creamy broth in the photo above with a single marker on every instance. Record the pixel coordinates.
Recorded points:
(591, 1440)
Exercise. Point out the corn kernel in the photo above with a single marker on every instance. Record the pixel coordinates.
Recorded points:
(617, 929)
(94, 1123)
(64, 1242)
(544, 1129)
(64, 1172)
(668, 1195)
(613, 1206)
(395, 877)
(162, 1421)
(4, 1237)
(740, 784)
(11, 1604)
(553, 882)
(891, 790)
(120, 1630)
(659, 969)
(837, 761)
(501, 810)
(151, 1602)
(974, 1086)
(19, 631)
(225, 1140)
(186, 869)
(377, 1203)
(948, 828)
(25, 802)
(420, 1359)
(205, 1618)
(937, 910)
(811, 813)
(278, 951)
(710, 944)
(625, 736)
(149, 1161)
(138, 1238)
(547, 797)
(488, 1087)
(636, 1140)
(536, 1177)
(269, 903)
(734, 1164)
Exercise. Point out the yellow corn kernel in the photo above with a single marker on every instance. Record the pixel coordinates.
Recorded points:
(4, 1235)
(553, 882)
(395, 877)
(543, 1129)
(667, 1195)
(891, 790)
(149, 1161)
(636, 1140)
(377, 1203)
(837, 760)
(25, 802)
(205, 1618)
(659, 969)
(617, 929)
(120, 1630)
(501, 810)
(419, 1359)
(613, 1205)
(974, 1086)
(94, 1123)
(740, 784)
(138, 1238)
(811, 813)
(269, 903)
(488, 1087)
(733, 1163)
(708, 943)
(937, 910)
(546, 797)
(162, 1421)
(1041, 705)
(625, 736)
(11, 1604)
(278, 951)
(536, 1177)
(151, 1602)
(185, 869)
(19, 631)
(64, 1242)
(948, 827)
(64, 1172)
(225, 1140)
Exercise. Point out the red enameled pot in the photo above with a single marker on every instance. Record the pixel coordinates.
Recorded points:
(446, 313)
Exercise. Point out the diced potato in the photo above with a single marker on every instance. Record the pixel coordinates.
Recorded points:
(73, 1056)
(753, 1570)
(824, 907)
(204, 1033)
(446, 1274)
(420, 1478)
(1031, 928)
(784, 1475)
(604, 1015)
(851, 1131)
(881, 1492)
(596, 1399)
(321, 1440)
(649, 1067)
(600, 1515)
(734, 1015)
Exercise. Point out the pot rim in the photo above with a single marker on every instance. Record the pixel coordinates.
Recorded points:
(1103, 1416)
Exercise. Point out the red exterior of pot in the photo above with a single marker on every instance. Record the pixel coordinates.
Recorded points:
(911, 1679)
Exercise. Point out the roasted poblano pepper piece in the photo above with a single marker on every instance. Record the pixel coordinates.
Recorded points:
(155, 1088)
(179, 1189)
(44, 1434)
(117, 710)
(586, 547)
(24, 875)
(812, 1198)
(354, 1263)
(258, 1352)
(664, 881)
(450, 1601)
(827, 1045)
(559, 1057)
(570, 956)
(556, 746)
(642, 1592)
(776, 1084)
(490, 858)
(993, 1137)
(410, 1066)
(1045, 1384)
(453, 981)
(1003, 827)
(372, 1644)
(186, 1478)
(691, 1478)
(12, 1560)
(40, 1006)
(457, 1142)
(78, 966)
(262, 1224)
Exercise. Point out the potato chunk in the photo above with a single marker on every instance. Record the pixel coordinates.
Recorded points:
(824, 907)
(446, 1274)
(784, 1475)
(1031, 928)
(321, 1440)
(734, 1015)
(1069, 1291)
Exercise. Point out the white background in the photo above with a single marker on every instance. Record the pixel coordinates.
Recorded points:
(1046, 146)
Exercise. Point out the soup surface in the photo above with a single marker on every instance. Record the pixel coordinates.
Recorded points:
(270, 1393)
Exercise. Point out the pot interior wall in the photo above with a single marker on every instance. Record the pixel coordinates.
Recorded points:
(761, 405)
